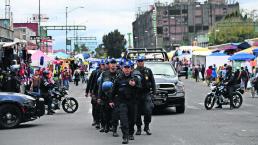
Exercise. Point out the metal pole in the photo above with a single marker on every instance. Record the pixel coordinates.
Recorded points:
(66, 29)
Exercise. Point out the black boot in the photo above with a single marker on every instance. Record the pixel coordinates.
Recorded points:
(102, 129)
(147, 129)
(139, 130)
(125, 140)
(97, 126)
(114, 129)
(107, 129)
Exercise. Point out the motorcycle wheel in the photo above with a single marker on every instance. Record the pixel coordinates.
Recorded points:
(209, 102)
(237, 100)
(70, 105)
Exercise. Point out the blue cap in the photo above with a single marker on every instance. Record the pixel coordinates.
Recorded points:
(102, 61)
(122, 61)
(127, 64)
(140, 58)
(112, 60)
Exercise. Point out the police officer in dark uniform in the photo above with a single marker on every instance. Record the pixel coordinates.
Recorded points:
(45, 87)
(110, 115)
(145, 104)
(232, 81)
(124, 92)
(92, 91)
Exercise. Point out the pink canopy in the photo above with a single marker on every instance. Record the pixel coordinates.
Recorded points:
(36, 56)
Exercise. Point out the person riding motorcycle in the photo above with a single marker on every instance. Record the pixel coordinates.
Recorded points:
(45, 86)
(232, 82)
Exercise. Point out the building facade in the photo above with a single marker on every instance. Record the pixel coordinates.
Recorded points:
(178, 23)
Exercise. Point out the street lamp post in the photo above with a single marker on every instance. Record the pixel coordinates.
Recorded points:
(66, 17)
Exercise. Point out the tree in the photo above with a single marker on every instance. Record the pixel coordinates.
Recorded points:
(114, 43)
(100, 51)
(233, 28)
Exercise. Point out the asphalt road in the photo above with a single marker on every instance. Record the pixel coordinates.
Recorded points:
(196, 126)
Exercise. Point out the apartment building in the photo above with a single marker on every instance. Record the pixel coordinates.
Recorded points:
(178, 23)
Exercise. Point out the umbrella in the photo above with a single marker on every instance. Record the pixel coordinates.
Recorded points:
(86, 55)
(242, 57)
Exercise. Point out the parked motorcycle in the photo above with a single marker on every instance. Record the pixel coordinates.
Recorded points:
(59, 95)
(220, 95)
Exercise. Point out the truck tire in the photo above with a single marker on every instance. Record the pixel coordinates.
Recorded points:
(10, 116)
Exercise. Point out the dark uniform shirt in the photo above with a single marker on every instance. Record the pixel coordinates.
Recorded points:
(106, 76)
(147, 82)
(122, 91)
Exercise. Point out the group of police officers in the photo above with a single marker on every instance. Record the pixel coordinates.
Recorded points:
(120, 91)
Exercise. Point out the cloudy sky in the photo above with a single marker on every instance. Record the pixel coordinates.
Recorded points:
(99, 16)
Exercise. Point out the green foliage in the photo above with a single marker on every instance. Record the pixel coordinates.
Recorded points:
(100, 51)
(234, 28)
(114, 43)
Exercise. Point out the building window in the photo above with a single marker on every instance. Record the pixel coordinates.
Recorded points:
(174, 12)
(159, 30)
(185, 11)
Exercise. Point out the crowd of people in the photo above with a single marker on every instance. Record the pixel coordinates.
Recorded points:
(121, 91)
(41, 79)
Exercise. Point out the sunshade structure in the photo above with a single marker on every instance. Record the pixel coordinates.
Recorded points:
(244, 45)
(255, 51)
(248, 50)
(218, 54)
(36, 56)
(202, 51)
(219, 59)
(241, 57)
(61, 55)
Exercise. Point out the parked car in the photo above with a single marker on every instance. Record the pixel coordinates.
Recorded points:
(16, 108)
(170, 91)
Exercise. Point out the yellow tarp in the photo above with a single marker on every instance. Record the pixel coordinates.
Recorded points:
(248, 50)
(201, 49)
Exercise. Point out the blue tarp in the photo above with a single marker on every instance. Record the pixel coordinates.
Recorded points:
(218, 54)
(86, 55)
(242, 57)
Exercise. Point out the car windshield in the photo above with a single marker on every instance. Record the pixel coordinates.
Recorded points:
(161, 69)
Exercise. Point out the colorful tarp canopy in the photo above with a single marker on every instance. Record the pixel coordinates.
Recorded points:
(218, 54)
(35, 57)
(244, 45)
(242, 57)
(248, 50)
(202, 51)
